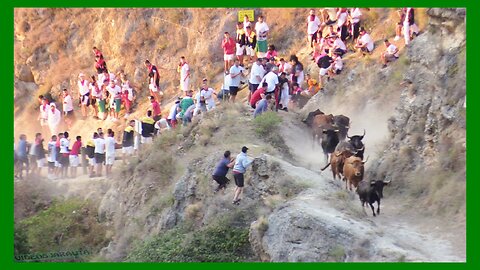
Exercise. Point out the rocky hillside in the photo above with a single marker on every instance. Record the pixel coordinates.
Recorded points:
(161, 206)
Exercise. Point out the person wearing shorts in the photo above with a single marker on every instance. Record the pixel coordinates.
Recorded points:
(242, 161)
(228, 45)
(128, 140)
(74, 159)
(261, 29)
(236, 73)
(99, 152)
(251, 43)
(221, 170)
(64, 154)
(109, 153)
(90, 151)
(240, 42)
(154, 79)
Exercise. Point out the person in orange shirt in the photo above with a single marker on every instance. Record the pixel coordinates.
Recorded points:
(313, 87)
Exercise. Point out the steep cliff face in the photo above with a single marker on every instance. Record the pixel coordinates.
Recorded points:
(426, 151)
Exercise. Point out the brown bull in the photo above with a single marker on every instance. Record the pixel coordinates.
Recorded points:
(353, 171)
(337, 160)
(322, 120)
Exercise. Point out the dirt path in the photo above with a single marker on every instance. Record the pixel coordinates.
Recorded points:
(395, 230)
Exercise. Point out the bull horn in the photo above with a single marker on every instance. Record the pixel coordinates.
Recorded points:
(347, 126)
(387, 182)
(338, 154)
(363, 134)
(363, 161)
(348, 136)
(372, 182)
(361, 149)
(336, 130)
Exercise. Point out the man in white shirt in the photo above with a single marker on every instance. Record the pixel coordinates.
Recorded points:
(390, 54)
(355, 15)
(338, 46)
(313, 24)
(115, 99)
(365, 42)
(43, 115)
(256, 74)
(99, 152)
(261, 29)
(184, 71)
(272, 80)
(236, 73)
(109, 153)
(84, 93)
(207, 93)
(54, 117)
(67, 108)
(64, 153)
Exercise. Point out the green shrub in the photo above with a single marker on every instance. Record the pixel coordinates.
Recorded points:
(267, 123)
(215, 243)
(65, 226)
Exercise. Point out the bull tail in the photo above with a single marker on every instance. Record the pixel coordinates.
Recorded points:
(326, 166)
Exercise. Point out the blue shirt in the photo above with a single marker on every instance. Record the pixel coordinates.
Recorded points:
(241, 163)
(22, 148)
(222, 168)
(262, 107)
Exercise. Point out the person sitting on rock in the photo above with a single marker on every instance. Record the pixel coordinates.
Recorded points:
(364, 43)
(390, 54)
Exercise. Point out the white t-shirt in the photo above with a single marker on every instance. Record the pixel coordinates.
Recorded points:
(272, 80)
(235, 70)
(110, 146)
(64, 144)
(342, 18)
(126, 87)
(312, 26)
(391, 50)
(257, 70)
(245, 24)
(44, 111)
(261, 29)
(99, 145)
(356, 14)
(93, 90)
(338, 63)
(173, 112)
(366, 39)
(83, 87)
(208, 96)
(287, 68)
(115, 91)
(183, 71)
(338, 43)
(67, 103)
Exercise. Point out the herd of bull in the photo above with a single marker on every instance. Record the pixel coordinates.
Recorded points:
(346, 157)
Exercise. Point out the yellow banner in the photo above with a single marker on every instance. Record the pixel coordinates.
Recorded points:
(250, 13)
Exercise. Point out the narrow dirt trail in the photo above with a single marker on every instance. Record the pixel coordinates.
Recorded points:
(395, 230)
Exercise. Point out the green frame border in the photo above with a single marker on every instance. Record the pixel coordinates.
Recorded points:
(6, 28)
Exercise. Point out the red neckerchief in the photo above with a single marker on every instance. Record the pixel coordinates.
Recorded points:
(150, 69)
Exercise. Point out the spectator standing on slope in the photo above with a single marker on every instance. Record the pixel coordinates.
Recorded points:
(262, 30)
(228, 45)
(184, 70)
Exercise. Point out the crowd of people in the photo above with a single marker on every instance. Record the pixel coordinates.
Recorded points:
(274, 83)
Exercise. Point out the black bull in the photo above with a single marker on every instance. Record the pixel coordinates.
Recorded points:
(371, 192)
